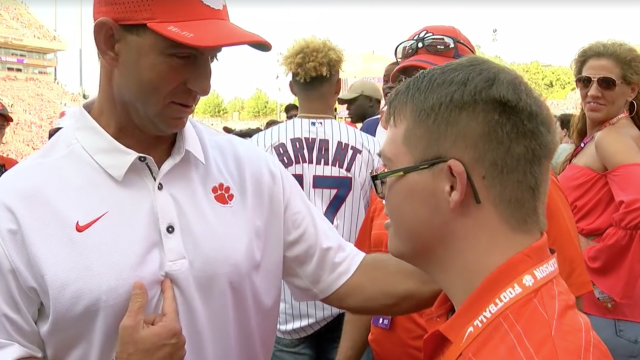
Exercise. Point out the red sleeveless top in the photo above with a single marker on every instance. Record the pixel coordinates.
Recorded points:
(607, 205)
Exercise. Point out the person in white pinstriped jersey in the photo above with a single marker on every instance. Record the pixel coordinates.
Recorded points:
(332, 162)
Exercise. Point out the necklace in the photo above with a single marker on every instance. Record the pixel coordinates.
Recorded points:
(588, 139)
(315, 116)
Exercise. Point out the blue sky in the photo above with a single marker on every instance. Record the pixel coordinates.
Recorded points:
(545, 32)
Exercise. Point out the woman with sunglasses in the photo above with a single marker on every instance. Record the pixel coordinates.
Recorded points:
(601, 181)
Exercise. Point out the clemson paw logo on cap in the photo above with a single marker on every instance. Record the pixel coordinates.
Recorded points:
(423, 34)
(216, 4)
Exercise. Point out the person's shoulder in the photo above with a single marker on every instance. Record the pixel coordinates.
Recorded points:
(558, 329)
(545, 324)
(616, 146)
(42, 162)
(370, 126)
(230, 151)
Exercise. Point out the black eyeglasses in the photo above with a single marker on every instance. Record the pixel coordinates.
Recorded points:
(606, 83)
(433, 44)
(380, 178)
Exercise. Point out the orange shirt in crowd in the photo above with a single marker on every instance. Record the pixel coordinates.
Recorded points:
(522, 310)
(562, 234)
(403, 340)
(7, 162)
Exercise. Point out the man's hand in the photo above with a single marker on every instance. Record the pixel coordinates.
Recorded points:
(151, 337)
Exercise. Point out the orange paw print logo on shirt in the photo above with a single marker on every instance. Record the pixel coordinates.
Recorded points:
(222, 194)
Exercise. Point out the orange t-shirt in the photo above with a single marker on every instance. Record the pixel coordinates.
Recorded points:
(403, 340)
(562, 234)
(8, 162)
(543, 324)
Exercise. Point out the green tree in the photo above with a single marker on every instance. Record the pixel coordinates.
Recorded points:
(551, 82)
(496, 59)
(211, 106)
(237, 104)
(259, 106)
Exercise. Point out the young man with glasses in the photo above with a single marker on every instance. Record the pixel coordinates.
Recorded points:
(466, 205)
(403, 337)
(399, 337)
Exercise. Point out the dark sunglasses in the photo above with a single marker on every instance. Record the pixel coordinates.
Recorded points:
(605, 83)
(379, 178)
(434, 44)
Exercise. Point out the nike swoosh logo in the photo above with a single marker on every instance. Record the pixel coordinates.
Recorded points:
(83, 228)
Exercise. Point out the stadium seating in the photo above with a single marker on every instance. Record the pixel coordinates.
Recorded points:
(17, 21)
(34, 105)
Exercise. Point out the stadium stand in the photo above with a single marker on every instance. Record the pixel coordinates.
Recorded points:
(33, 97)
(16, 20)
(34, 105)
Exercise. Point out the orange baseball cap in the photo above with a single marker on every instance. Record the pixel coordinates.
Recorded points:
(196, 23)
(424, 59)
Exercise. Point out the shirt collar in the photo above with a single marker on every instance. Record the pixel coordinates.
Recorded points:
(491, 287)
(115, 158)
(373, 117)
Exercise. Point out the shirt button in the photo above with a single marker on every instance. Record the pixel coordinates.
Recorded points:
(142, 158)
(170, 229)
(160, 186)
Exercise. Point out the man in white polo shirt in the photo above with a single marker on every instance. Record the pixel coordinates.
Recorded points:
(134, 195)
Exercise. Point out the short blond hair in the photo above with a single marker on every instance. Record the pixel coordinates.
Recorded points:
(312, 58)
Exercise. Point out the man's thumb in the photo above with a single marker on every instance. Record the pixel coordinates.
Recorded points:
(138, 302)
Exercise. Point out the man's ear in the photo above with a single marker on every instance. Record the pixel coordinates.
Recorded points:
(455, 183)
(292, 88)
(107, 36)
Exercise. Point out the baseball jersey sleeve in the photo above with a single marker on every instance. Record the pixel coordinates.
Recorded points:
(317, 260)
(19, 335)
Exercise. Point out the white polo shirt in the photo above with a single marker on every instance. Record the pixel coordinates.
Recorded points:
(84, 218)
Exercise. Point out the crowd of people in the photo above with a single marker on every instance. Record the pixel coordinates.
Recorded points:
(17, 22)
(455, 216)
(35, 105)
